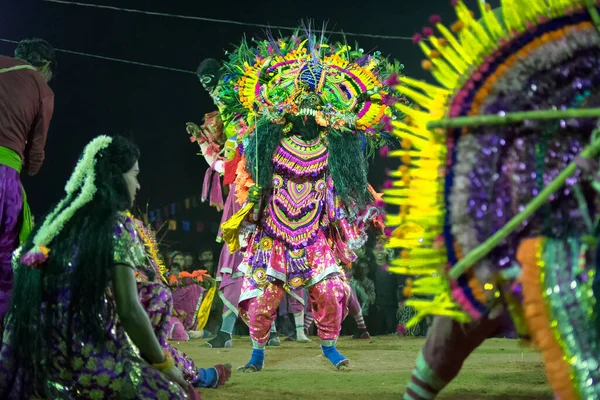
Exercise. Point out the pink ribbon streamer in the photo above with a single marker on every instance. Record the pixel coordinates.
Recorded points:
(212, 184)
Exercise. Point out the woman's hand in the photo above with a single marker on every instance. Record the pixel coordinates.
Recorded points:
(175, 375)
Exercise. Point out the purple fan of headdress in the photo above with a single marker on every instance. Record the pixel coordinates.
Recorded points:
(272, 42)
(307, 28)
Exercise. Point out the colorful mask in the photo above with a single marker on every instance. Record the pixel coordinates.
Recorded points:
(341, 88)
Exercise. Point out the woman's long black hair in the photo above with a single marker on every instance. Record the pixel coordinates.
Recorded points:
(86, 242)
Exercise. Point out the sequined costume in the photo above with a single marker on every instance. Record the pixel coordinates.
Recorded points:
(291, 244)
(113, 369)
(461, 184)
(307, 114)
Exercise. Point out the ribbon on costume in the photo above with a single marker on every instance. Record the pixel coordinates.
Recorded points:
(212, 184)
(231, 227)
(204, 311)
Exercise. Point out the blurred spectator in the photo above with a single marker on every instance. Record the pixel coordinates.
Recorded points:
(386, 288)
(188, 263)
(365, 292)
(360, 277)
(406, 313)
(175, 263)
(207, 261)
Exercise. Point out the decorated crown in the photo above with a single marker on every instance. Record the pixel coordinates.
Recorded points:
(342, 88)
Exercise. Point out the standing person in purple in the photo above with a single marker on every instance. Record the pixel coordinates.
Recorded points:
(222, 156)
(26, 108)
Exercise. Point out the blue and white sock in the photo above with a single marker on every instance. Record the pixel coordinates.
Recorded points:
(207, 377)
(257, 360)
(228, 323)
(332, 354)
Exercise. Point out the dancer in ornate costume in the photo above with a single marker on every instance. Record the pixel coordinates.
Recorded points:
(306, 113)
(76, 328)
(157, 300)
(222, 157)
(26, 108)
(499, 222)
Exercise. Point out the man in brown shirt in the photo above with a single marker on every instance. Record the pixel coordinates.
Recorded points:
(26, 107)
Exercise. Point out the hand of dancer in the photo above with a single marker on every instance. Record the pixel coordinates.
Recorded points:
(254, 194)
(175, 375)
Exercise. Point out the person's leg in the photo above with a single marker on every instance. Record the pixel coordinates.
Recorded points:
(308, 316)
(391, 320)
(447, 346)
(11, 204)
(329, 300)
(259, 313)
(273, 336)
(297, 309)
(355, 312)
(285, 324)
(308, 321)
(230, 294)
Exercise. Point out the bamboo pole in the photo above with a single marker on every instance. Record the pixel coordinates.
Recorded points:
(591, 7)
(514, 117)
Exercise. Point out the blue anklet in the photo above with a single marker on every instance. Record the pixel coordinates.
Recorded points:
(257, 361)
(207, 378)
(334, 355)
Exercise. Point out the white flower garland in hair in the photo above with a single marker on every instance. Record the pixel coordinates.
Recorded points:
(84, 177)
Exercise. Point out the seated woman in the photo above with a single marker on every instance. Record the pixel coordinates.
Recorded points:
(156, 298)
(76, 328)
(188, 296)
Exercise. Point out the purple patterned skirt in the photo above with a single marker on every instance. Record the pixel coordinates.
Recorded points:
(157, 300)
(11, 204)
(107, 370)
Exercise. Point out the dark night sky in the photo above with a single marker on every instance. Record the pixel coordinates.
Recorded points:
(103, 97)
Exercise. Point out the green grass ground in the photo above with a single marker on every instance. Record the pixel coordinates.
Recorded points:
(500, 369)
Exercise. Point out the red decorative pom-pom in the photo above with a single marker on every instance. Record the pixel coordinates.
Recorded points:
(417, 38)
(384, 151)
(388, 184)
(401, 330)
(392, 80)
(435, 19)
(387, 123)
(427, 31)
(36, 257)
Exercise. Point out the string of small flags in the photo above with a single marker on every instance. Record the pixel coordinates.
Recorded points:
(166, 217)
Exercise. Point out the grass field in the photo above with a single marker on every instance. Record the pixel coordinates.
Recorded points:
(500, 369)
